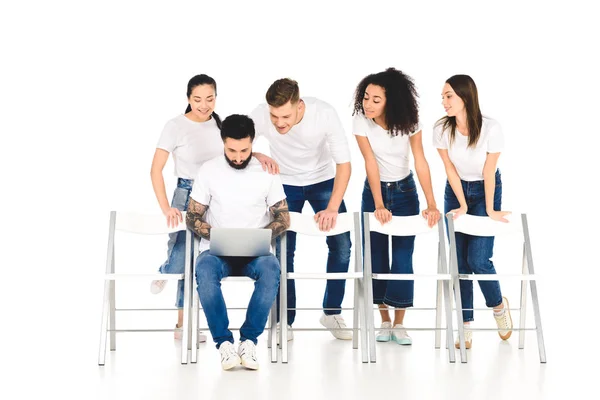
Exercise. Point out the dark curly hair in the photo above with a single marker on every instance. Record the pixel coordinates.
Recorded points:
(401, 106)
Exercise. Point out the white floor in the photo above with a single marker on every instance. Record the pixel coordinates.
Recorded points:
(59, 355)
(147, 366)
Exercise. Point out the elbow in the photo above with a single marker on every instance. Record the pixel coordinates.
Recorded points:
(421, 166)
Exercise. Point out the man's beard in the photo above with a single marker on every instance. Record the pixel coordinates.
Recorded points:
(243, 165)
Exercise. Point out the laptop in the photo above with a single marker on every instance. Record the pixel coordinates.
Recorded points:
(240, 242)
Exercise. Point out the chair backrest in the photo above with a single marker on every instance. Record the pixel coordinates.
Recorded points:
(147, 224)
(305, 224)
(485, 226)
(401, 226)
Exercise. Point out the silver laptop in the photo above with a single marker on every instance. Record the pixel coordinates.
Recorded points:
(240, 242)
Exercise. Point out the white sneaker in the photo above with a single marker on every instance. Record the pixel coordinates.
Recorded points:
(334, 322)
(157, 286)
(384, 335)
(504, 321)
(290, 333)
(468, 338)
(178, 334)
(401, 336)
(229, 358)
(247, 353)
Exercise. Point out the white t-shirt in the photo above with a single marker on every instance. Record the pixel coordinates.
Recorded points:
(191, 143)
(469, 162)
(391, 152)
(236, 198)
(305, 152)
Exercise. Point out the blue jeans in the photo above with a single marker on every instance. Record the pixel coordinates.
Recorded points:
(402, 200)
(175, 263)
(474, 252)
(338, 260)
(211, 269)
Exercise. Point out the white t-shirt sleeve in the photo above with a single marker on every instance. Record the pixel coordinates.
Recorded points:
(276, 192)
(439, 139)
(359, 125)
(168, 137)
(417, 130)
(496, 139)
(336, 139)
(201, 189)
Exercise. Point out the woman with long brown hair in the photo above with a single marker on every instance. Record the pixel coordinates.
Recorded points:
(470, 145)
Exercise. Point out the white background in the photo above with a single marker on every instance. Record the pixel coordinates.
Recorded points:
(86, 87)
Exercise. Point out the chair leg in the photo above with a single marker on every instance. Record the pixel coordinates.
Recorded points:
(460, 321)
(104, 324)
(355, 311)
(112, 317)
(534, 293)
(456, 285)
(523, 304)
(449, 330)
(364, 345)
(273, 332)
(538, 322)
(195, 324)
(283, 342)
(187, 298)
(370, 321)
(438, 315)
(269, 338)
(283, 337)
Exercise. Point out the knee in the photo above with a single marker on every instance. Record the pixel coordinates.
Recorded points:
(342, 245)
(270, 270)
(208, 268)
(479, 264)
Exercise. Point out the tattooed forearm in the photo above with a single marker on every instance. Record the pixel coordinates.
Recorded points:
(280, 218)
(195, 219)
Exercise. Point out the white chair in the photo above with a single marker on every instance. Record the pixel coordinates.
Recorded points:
(414, 225)
(305, 224)
(485, 226)
(194, 326)
(144, 225)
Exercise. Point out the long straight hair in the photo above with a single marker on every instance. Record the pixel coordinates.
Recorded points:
(464, 87)
(198, 80)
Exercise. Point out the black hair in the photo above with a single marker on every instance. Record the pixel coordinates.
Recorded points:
(198, 80)
(237, 126)
(401, 106)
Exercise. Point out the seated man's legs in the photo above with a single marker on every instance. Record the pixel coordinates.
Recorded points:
(265, 271)
(209, 272)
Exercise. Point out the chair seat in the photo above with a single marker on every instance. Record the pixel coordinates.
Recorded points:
(155, 277)
(495, 277)
(409, 277)
(325, 275)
